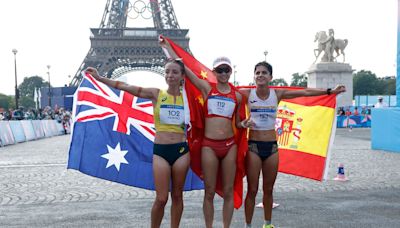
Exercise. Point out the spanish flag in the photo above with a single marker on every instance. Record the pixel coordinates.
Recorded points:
(196, 132)
(305, 129)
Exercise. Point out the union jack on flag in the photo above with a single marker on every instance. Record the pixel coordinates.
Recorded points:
(106, 102)
(113, 136)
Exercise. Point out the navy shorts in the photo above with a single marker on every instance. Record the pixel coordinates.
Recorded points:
(263, 149)
(171, 152)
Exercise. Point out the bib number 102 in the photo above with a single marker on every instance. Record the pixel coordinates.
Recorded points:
(173, 113)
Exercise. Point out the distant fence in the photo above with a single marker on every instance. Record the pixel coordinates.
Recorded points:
(370, 100)
(15, 131)
(354, 121)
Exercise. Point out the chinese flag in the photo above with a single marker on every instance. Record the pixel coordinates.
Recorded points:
(196, 133)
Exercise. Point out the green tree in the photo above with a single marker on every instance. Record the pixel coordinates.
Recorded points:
(391, 86)
(27, 87)
(5, 101)
(386, 86)
(299, 80)
(27, 102)
(366, 83)
(278, 82)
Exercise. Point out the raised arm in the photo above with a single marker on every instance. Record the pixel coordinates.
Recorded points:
(200, 84)
(288, 94)
(148, 93)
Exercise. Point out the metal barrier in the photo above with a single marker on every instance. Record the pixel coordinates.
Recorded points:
(15, 131)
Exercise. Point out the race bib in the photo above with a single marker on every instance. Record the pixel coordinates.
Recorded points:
(260, 115)
(221, 106)
(172, 114)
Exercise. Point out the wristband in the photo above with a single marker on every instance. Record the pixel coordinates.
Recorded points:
(328, 91)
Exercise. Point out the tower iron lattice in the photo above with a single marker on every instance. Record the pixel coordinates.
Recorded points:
(117, 49)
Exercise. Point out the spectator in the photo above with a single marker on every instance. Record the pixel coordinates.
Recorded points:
(363, 110)
(58, 115)
(47, 113)
(66, 122)
(348, 112)
(356, 113)
(29, 115)
(381, 103)
(341, 111)
(8, 115)
(18, 114)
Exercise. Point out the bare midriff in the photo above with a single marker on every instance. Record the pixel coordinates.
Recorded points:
(169, 138)
(216, 128)
(263, 135)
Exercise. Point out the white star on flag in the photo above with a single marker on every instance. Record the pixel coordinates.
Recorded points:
(115, 156)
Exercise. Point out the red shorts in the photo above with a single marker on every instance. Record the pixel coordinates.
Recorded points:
(220, 147)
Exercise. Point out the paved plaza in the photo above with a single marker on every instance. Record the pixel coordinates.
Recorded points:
(36, 190)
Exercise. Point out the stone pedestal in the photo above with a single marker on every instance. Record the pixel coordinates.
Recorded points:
(328, 75)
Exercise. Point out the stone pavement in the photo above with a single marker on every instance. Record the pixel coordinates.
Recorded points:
(36, 190)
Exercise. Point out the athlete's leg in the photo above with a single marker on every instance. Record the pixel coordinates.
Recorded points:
(253, 168)
(228, 166)
(179, 171)
(209, 165)
(269, 170)
(162, 175)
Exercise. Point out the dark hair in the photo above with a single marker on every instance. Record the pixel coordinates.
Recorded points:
(177, 61)
(265, 64)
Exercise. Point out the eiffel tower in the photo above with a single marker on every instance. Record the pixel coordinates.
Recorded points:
(116, 49)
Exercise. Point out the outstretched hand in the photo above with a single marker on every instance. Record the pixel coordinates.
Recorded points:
(93, 71)
(339, 89)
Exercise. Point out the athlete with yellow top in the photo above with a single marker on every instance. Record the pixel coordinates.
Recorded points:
(170, 153)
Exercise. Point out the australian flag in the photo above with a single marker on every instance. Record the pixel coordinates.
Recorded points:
(113, 134)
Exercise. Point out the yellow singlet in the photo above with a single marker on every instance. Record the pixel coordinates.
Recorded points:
(169, 116)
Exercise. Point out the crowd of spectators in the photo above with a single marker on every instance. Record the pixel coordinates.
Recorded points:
(365, 110)
(47, 113)
(60, 114)
(348, 111)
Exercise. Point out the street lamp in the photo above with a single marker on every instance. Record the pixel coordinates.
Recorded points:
(16, 83)
(265, 54)
(234, 75)
(49, 95)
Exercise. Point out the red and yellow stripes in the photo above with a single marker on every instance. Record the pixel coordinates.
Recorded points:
(304, 127)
